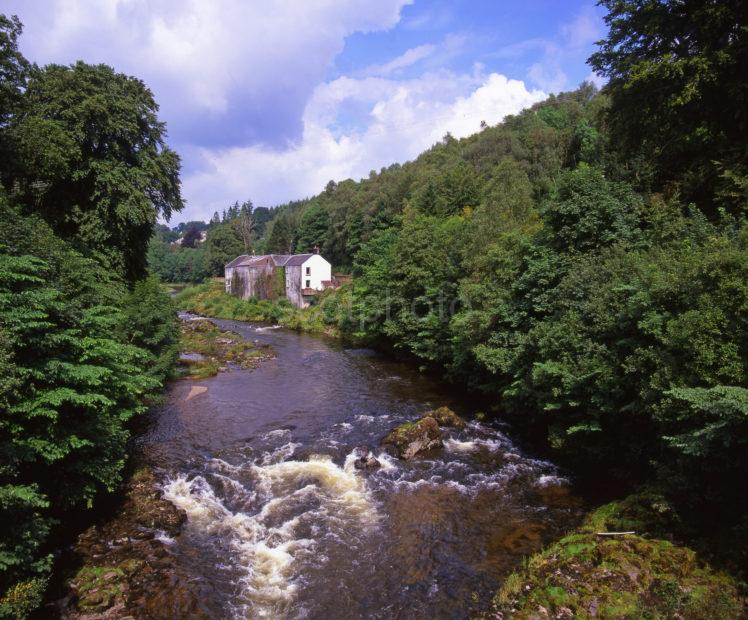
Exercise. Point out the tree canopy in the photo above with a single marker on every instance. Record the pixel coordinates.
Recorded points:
(86, 342)
(677, 91)
(88, 152)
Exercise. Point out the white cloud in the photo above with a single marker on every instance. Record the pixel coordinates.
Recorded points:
(572, 40)
(408, 58)
(548, 75)
(251, 74)
(203, 55)
(405, 117)
(583, 30)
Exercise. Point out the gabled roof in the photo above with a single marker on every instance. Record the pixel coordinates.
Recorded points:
(298, 259)
(278, 260)
(251, 261)
(237, 260)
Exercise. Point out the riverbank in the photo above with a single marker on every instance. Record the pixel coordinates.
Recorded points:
(125, 568)
(124, 564)
(610, 567)
(206, 350)
(565, 578)
(210, 299)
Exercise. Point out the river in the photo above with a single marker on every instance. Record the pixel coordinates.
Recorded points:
(280, 524)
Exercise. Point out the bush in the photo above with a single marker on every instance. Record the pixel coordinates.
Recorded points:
(75, 368)
(149, 321)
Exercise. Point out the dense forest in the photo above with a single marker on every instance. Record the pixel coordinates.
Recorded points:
(87, 338)
(194, 251)
(583, 265)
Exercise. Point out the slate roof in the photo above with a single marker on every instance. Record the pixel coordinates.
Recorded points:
(279, 260)
(237, 260)
(249, 261)
(297, 259)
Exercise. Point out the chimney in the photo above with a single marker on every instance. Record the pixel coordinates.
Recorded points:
(316, 249)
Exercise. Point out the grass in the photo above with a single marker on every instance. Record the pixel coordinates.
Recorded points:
(210, 299)
(584, 575)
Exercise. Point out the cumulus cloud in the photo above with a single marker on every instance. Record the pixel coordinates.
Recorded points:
(253, 64)
(246, 92)
(404, 118)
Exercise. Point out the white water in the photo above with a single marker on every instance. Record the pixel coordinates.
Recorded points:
(266, 540)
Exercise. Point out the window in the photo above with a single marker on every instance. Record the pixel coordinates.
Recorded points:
(308, 284)
(308, 271)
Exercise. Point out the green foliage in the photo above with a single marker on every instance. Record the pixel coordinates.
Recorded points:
(676, 75)
(23, 598)
(150, 323)
(313, 230)
(584, 264)
(586, 576)
(88, 151)
(85, 342)
(222, 245)
(708, 430)
(527, 262)
(14, 67)
(588, 212)
(280, 239)
(173, 263)
(279, 282)
(210, 299)
(74, 386)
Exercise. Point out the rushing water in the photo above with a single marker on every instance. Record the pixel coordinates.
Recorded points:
(281, 524)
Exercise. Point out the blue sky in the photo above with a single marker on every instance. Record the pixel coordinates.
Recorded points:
(268, 100)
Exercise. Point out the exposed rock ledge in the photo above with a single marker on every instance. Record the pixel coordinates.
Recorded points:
(127, 570)
(410, 438)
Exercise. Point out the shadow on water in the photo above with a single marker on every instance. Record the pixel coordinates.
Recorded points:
(281, 524)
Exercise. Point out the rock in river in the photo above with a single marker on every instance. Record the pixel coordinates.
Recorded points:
(444, 416)
(365, 459)
(413, 437)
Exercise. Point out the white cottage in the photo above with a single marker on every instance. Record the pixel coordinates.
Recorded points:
(298, 277)
(306, 276)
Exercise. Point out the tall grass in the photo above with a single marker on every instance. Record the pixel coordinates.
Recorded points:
(210, 299)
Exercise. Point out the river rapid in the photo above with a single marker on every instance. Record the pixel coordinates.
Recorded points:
(280, 524)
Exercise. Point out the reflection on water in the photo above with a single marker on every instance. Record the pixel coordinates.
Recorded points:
(281, 524)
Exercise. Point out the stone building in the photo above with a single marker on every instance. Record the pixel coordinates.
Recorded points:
(298, 277)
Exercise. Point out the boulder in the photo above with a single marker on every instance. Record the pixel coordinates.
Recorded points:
(365, 459)
(444, 416)
(409, 439)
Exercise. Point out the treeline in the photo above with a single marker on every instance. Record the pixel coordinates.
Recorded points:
(584, 263)
(194, 251)
(87, 339)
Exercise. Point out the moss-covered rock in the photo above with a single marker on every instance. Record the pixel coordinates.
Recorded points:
(99, 588)
(444, 416)
(206, 350)
(410, 438)
(585, 575)
(126, 569)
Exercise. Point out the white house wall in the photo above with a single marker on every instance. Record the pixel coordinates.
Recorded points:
(319, 271)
